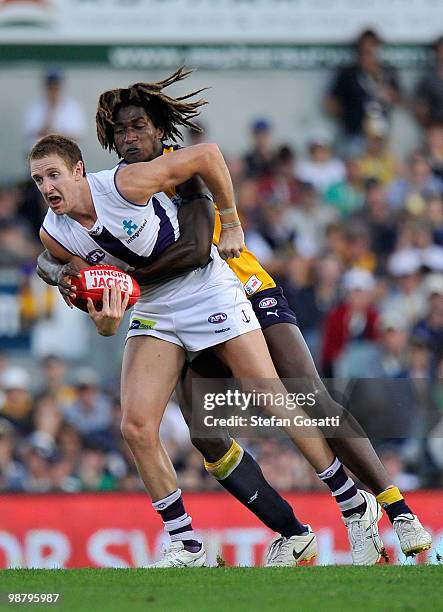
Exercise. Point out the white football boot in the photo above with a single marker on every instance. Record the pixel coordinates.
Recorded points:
(364, 539)
(288, 552)
(412, 535)
(177, 556)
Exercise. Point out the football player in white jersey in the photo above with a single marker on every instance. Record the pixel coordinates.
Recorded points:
(131, 132)
(174, 317)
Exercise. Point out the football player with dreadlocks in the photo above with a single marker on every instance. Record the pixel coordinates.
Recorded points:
(136, 122)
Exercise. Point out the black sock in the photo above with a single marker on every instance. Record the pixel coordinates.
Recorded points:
(247, 484)
(395, 509)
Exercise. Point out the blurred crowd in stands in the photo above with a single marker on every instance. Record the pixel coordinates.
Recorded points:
(354, 235)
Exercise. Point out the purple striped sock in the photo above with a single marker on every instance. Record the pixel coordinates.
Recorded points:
(177, 521)
(343, 488)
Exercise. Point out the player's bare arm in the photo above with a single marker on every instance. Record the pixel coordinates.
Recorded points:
(192, 249)
(139, 181)
(57, 274)
(48, 268)
(56, 266)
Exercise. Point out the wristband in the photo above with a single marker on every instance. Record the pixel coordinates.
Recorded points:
(227, 211)
(231, 224)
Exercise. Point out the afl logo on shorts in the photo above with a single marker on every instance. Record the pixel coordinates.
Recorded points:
(218, 317)
(267, 303)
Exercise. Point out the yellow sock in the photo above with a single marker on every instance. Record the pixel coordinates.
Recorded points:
(226, 465)
(389, 496)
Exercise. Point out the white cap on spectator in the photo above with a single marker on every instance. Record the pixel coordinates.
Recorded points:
(42, 442)
(321, 136)
(404, 262)
(15, 377)
(394, 321)
(306, 245)
(434, 284)
(432, 257)
(358, 279)
(85, 377)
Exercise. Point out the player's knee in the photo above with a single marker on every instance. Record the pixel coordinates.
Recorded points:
(139, 433)
(212, 449)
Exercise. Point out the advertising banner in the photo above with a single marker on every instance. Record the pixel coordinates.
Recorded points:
(122, 530)
(225, 21)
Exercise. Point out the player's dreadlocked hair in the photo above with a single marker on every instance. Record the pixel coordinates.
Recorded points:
(166, 113)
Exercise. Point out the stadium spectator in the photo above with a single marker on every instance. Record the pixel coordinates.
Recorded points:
(47, 420)
(406, 297)
(383, 396)
(17, 246)
(12, 472)
(53, 379)
(391, 357)
(63, 477)
(366, 89)
(420, 358)
(259, 159)
(358, 252)
(434, 148)
(434, 216)
(353, 319)
(347, 195)
(321, 169)
(396, 468)
(313, 297)
(309, 221)
(428, 102)
(278, 233)
(17, 402)
(69, 443)
(37, 470)
(430, 329)
(380, 222)
(53, 112)
(281, 184)
(376, 161)
(90, 414)
(410, 191)
(93, 473)
(249, 202)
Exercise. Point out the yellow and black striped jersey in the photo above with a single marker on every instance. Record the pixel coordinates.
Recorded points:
(247, 268)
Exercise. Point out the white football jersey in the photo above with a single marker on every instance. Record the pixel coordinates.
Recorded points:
(126, 235)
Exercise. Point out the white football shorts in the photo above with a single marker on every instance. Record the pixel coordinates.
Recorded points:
(208, 309)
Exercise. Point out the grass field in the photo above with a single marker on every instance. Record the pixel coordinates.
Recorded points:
(320, 589)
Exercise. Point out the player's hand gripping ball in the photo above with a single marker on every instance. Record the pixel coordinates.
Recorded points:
(93, 280)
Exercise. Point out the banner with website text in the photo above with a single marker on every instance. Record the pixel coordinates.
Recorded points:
(225, 21)
(122, 530)
(229, 34)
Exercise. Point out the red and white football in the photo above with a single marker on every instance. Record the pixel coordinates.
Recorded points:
(94, 279)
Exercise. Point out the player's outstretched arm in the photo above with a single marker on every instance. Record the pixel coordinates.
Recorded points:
(137, 182)
(193, 248)
(191, 251)
(48, 268)
(56, 266)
